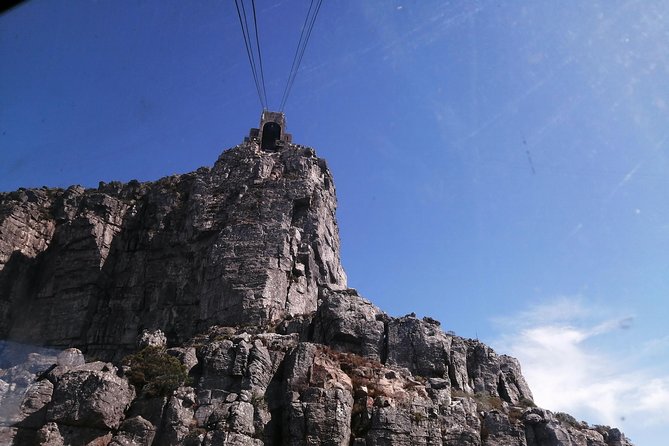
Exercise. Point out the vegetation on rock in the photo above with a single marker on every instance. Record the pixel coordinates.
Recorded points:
(154, 372)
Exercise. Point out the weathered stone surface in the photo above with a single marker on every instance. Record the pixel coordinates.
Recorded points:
(234, 271)
(498, 428)
(496, 375)
(347, 322)
(462, 426)
(179, 416)
(32, 411)
(418, 345)
(350, 323)
(150, 409)
(135, 431)
(53, 434)
(49, 435)
(543, 427)
(90, 398)
(7, 434)
(70, 357)
(268, 388)
(250, 240)
(187, 356)
(49, 285)
(155, 338)
(321, 399)
(24, 396)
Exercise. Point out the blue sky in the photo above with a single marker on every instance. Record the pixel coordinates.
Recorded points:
(500, 166)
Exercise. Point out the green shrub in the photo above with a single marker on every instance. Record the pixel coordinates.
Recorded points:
(154, 372)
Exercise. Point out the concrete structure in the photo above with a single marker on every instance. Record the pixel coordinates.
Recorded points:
(271, 134)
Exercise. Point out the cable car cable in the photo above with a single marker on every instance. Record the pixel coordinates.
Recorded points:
(302, 46)
(258, 75)
(249, 49)
(301, 50)
(262, 74)
(246, 46)
(257, 69)
(296, 55)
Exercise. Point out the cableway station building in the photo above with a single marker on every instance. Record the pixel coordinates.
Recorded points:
(271, 134)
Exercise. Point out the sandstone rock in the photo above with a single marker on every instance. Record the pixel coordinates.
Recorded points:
(32, 411)
(390, 426)
(237, 269)
(90, 398)
(496, 375)
(179, 417)
(350, 323)
(320, 398)
(7, 434)
(187, 356)
(49, 435)
(24, 396)
(215, 438)
(462, 425)
(71, 357)
(150, 409)
(421, 347)
(269, 388)
(155, 338)
(135, 431)
(614, 437)
(250, 240)
(499, 429)
(53, 434)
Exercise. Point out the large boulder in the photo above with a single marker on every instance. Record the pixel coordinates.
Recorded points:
(347, 322)
(96, 399)
(135, 431)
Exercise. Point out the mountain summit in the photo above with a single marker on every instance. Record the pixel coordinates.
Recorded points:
(211, 308)
(249, 241)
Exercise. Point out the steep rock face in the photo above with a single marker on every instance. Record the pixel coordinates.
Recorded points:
(246, 242)
(350, 323)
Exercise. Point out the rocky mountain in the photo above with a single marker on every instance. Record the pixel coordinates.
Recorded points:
(249, 241)
(211, 308)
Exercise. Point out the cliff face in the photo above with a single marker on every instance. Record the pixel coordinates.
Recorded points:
(228, 283)
(249, 241)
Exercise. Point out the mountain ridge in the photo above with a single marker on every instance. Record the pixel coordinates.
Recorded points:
(234, 271)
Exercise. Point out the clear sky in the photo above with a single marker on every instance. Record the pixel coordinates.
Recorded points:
(500, 166)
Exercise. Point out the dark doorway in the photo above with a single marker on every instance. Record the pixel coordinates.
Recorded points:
(271, 132)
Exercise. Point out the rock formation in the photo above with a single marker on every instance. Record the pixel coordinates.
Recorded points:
(212, 309)
(249, 241)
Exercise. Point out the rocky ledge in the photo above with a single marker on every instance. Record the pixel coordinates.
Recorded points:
(347, 374)
(217, 307)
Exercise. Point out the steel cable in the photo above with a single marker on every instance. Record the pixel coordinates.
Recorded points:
(262, 73)
(308, 26)
(243, 22)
